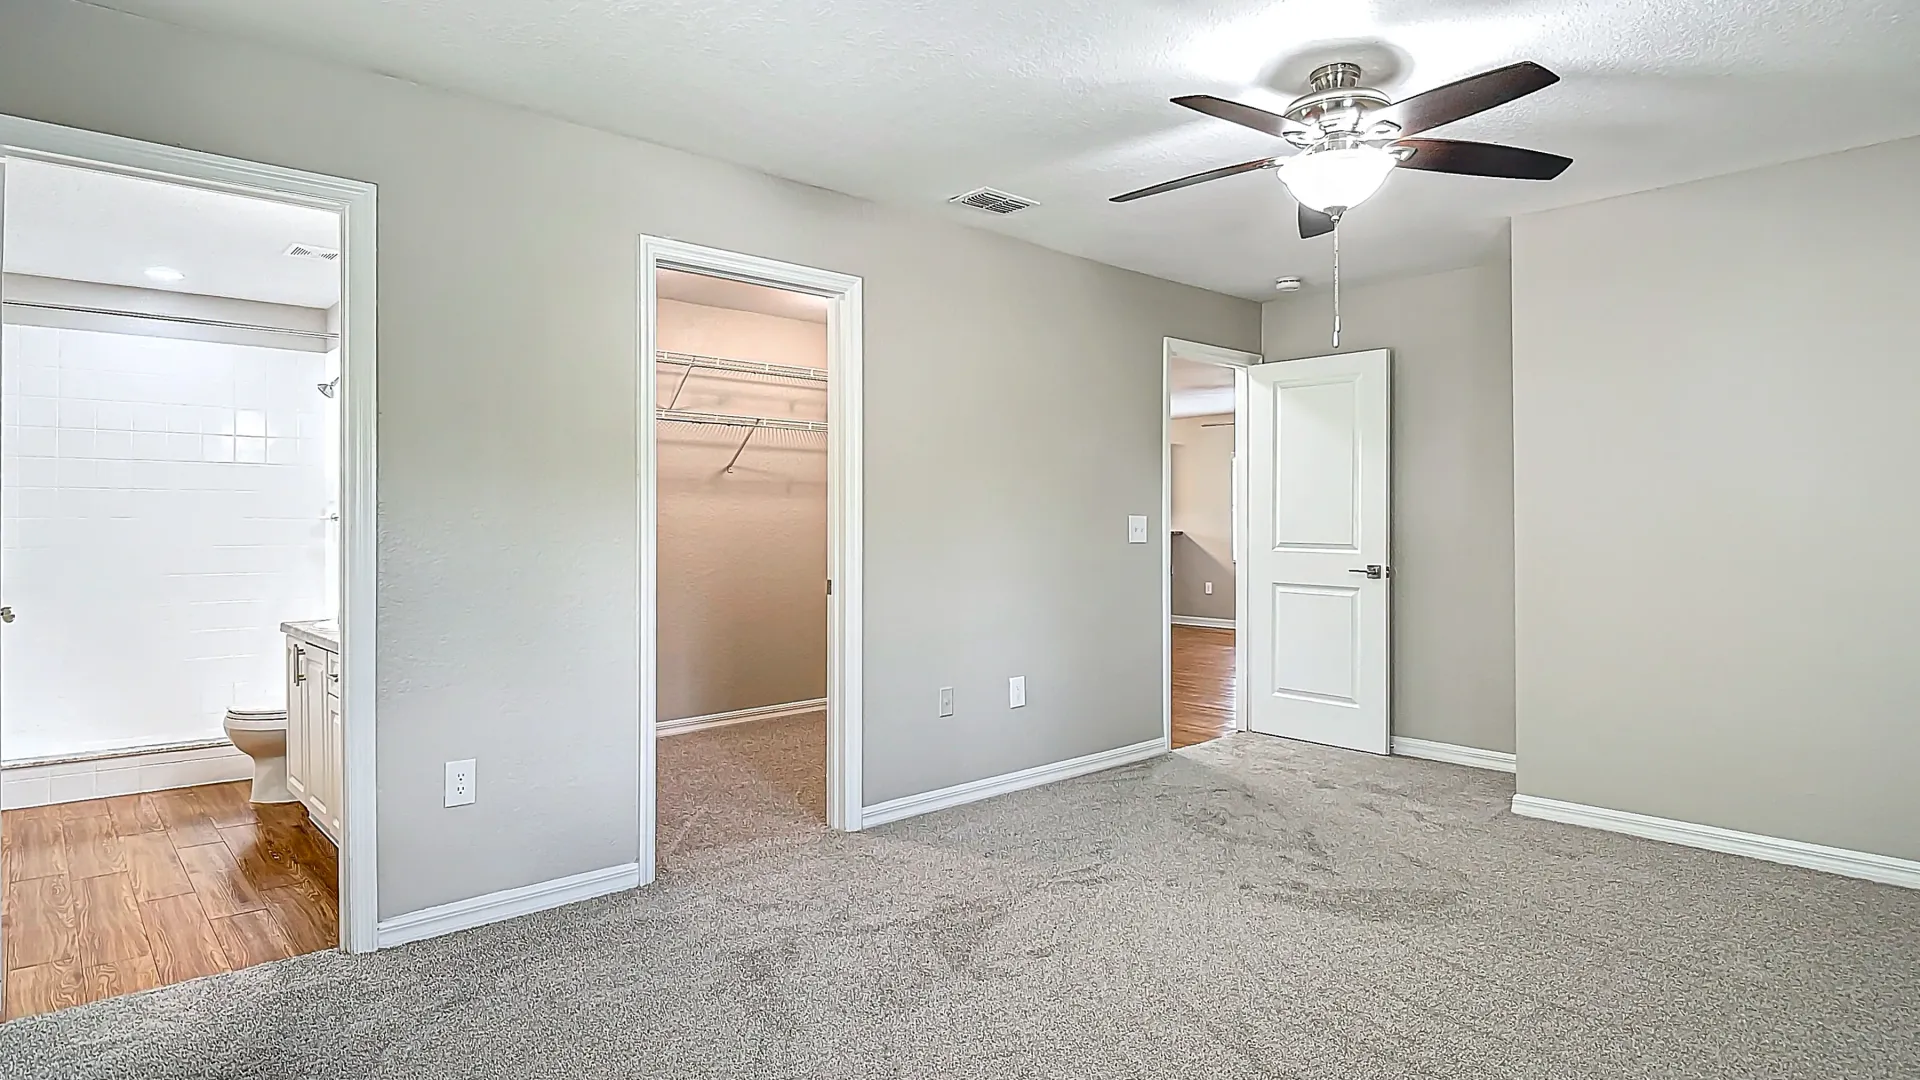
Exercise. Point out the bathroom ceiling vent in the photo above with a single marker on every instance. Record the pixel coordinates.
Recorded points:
(993, 201)
(312, 251)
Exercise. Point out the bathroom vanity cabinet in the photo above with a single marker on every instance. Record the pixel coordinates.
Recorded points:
(314, 745)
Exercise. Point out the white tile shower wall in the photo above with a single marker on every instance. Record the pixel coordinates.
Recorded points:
(164, 511)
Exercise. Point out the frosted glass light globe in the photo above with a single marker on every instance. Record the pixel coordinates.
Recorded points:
(1344, 178)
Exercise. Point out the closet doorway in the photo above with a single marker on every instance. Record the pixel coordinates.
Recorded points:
(749, 484)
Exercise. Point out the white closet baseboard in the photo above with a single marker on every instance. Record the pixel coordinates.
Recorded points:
(738, 716)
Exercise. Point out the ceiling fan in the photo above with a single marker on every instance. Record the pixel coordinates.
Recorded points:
(1350, 136)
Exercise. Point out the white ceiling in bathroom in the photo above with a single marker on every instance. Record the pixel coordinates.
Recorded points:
(83, 225)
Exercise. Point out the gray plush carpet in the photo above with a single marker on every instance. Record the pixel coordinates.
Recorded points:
(734, 792)
(1245, 908)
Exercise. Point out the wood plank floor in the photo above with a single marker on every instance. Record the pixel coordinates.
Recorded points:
(1203, 684)
(111, 896)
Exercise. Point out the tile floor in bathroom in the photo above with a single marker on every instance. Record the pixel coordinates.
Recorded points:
(112, 896)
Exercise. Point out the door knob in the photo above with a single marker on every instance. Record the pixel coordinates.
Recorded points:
(6, 614)
(1374, 571)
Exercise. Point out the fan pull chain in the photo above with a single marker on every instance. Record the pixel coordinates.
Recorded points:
(1336, 282)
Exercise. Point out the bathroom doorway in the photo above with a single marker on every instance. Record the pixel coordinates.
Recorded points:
(185, 490)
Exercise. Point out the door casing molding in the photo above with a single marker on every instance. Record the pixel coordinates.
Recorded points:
(844, 513)
(1180, 349)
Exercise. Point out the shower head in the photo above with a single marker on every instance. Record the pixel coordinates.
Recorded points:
(327, 388)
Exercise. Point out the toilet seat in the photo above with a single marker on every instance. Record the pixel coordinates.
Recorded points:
(256, 719)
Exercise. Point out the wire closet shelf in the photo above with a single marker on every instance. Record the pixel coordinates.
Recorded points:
(693, 362)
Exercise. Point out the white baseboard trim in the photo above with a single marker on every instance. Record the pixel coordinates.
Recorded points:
(127, 773)
(974, 791)
(1198, 620)
(507, 904)
(738, 716)
(1854, 864)
(1471, 756)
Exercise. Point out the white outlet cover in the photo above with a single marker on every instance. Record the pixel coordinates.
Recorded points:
(1137, 529)
(460, 782)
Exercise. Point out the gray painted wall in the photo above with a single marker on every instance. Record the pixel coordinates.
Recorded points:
(1452, 486)
(1715, 403)
(995, 532)
(1203, 512)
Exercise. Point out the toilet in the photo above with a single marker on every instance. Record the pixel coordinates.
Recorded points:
(261, 734)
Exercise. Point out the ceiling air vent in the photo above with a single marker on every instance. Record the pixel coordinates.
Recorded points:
(993, 201)
(312, 251)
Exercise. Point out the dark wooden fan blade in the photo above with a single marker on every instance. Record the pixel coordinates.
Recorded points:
(1473, 94)
(1314, 223)
(1244, 115)
(1482, 159)
(1196, 178)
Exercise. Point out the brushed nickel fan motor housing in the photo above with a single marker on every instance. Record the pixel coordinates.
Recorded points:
(1337, 105)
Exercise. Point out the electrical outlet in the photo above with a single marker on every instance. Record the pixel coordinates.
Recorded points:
(1017, 692)
(946, 701)
(460, 782)
(1137, 529)
(1209, 588)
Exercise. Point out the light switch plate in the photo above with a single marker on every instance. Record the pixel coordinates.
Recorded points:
(946, 701)
(1137, 529)
(1017, 692)
(1209, 588)
(460, 782)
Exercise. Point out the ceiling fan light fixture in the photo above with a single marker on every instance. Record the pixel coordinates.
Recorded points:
(1342, 177)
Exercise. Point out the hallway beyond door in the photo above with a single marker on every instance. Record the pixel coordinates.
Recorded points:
(1203, 684)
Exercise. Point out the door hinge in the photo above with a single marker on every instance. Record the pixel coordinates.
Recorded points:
(829, 586)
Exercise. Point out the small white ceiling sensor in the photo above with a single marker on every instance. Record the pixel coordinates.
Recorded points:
(166, 274)
(1286, 284)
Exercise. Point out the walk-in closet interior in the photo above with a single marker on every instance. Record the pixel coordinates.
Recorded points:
(741, 438)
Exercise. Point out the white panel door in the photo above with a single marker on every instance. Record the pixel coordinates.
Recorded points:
(1318, 566)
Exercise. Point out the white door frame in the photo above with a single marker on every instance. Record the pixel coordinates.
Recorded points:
(1178, 348)
(844, 519)
(355, 201)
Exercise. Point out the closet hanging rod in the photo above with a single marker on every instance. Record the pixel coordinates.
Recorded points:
(770, 423)
(741, 367)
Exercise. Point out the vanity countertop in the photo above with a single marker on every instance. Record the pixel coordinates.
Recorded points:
(319, 633)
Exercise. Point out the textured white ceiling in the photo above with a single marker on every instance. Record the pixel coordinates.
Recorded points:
(100, 227)
(909, 101)
(740, 296)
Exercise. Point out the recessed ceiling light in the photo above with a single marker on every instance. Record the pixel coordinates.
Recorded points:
(165, 273)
